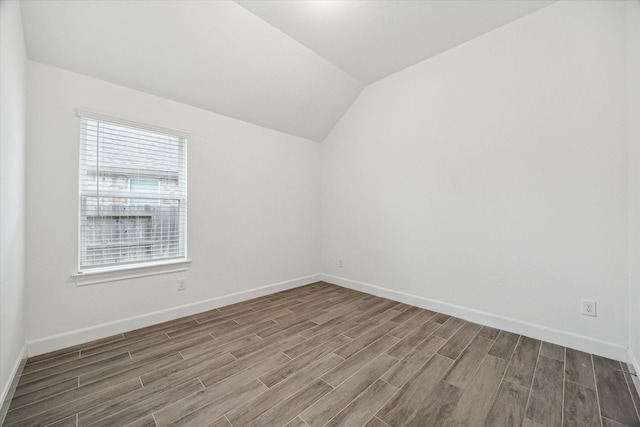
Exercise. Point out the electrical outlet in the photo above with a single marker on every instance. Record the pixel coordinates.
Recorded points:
(182, 284)
(588, 307)
(340, 264)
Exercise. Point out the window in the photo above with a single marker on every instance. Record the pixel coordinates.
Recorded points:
(133, 194)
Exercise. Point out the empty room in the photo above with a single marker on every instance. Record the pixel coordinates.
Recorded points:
(300, 213)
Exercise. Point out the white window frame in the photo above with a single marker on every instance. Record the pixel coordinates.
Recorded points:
(136, 269)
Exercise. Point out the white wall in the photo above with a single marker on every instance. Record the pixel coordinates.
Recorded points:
(490, 181)
(12, 189)
(633, 135)
(253, 215)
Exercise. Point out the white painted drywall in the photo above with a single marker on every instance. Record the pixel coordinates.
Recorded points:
(12, 190)
(493, 177)
(633, 135)
(253, 208)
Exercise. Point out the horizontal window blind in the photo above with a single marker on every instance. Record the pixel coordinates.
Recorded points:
(133, 194)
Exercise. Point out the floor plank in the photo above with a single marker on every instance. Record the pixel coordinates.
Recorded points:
(376, 422)
(43, 393)
(283, 412)
(53, 361)
(421, 388)
(615, 403)
(435, 410)
(327, 407)
(504, 345)
(362, 408)
(406, 315)
(249, 411)
(296, 422)
(289, 368)
(509, 406)
(635, 395)
(489, 333)
(459, 340)
(405, 369)
(127, 400)
(552, 350)
(464, 368)
(407, 327)
(142, 408)
(217, 408)
(545, 402)
(348, 350)
(314, 341)
(579, 368)
(523, 362)
(358, 360)
(46, 411)
(409, 342)
(449, 327)
(474, 404)
(580, 406)
(606, 422)
(67, 422)
(222, 385)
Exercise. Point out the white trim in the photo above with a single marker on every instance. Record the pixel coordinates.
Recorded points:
(631, 359)
(12, 382)
(83, 112)
(552, 335)
(67, 339)
(123, 272)
(133, 195)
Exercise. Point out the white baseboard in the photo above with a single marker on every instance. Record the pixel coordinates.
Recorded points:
(9, 388)
(556, 336)
(631, 359)
(68, 339)
(552, 335)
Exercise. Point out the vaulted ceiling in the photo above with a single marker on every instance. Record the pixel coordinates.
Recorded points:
(292, 66)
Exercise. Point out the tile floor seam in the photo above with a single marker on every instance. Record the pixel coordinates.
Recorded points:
(502, 380)
(595, 383)
(564, 384)
(533, 378)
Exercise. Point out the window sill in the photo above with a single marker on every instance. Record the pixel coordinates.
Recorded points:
(111, 275)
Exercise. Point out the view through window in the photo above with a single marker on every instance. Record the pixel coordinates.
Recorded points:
(132, 195)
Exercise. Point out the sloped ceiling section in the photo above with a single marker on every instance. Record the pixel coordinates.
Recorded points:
(371, 39)
(213, 55)
(293, 66)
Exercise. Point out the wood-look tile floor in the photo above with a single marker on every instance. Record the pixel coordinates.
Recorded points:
(322, 355)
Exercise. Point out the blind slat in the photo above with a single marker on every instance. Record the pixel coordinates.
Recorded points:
(136, 195)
